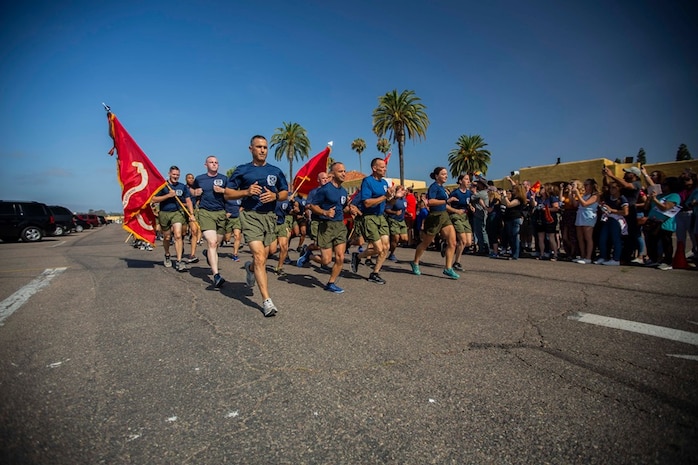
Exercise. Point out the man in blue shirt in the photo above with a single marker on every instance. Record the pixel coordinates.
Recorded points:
(210, 187)
(172, 199)
(374, 194)
(306, 253)
(395, 213)
(329, 203)
(260, 186)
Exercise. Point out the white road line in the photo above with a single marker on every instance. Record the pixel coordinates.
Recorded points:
(687, 357)
(56, 245)
(16, 300)
(635, 327)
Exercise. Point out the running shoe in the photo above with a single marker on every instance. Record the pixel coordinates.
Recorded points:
(332, 287)
(181, 266)
(192, 259)
(392, 257)
(415, 268)
(361, 248)
(355, 260)
(249, 277)
(205, 252)
(268, 308)
(235, 258)
(611, 263)
(600, 261)
(167, 262)
(218, 280)
(457, 266)
(301, 261)
(443, 249)
(375, 278)
(368, 262)
(280, 272)
(450, 273)
(665, 267)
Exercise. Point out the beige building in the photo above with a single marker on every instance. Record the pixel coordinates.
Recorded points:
(584, 169)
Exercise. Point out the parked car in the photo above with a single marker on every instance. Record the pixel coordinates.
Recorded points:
(65, 223)
(92, 220)
(102, 220)
(80, 225)
(29, 221)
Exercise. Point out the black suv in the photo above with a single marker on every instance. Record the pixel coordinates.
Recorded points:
(29, 221)
(64, 218)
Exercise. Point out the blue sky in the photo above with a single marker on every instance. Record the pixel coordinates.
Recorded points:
(537, 80)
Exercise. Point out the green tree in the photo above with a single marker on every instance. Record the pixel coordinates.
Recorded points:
(359, 145)
(230, 171)
(290, 141)
(400, 116)
(469, 156)
(683, 153)
(641, 156)
(383, 145)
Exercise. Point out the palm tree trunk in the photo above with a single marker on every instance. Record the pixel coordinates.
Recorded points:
(401, 149)
(360, 168)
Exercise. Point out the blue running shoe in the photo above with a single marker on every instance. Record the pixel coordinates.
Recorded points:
(392, 257)
(450, 273)
(301, 261)
(235, 258)
(332, 287)
(415, 268)
(218, 281)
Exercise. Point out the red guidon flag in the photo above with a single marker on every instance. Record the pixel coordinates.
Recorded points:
(306, 177)
(139, 180)
(387, 158)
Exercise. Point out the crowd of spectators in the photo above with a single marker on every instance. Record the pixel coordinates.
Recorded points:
(635, 219)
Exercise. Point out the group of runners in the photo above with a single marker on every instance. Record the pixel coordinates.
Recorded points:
(254, 205)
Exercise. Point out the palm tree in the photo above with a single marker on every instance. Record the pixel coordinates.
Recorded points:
(359, 145)
(290, 141)
(400, 116)
(383, 145)
(469, 156)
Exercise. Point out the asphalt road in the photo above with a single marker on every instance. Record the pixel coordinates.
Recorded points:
(121, 360)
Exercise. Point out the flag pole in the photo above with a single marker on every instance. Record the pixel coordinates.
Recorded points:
(299, 186)
(181, 204)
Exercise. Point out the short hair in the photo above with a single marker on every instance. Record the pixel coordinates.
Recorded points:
(373, 162)
(335, 163)
(257, 137)
(174, 167)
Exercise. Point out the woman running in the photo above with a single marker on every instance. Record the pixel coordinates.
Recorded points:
(438, 222)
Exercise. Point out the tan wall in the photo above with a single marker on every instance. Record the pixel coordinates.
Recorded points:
(590, 169)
